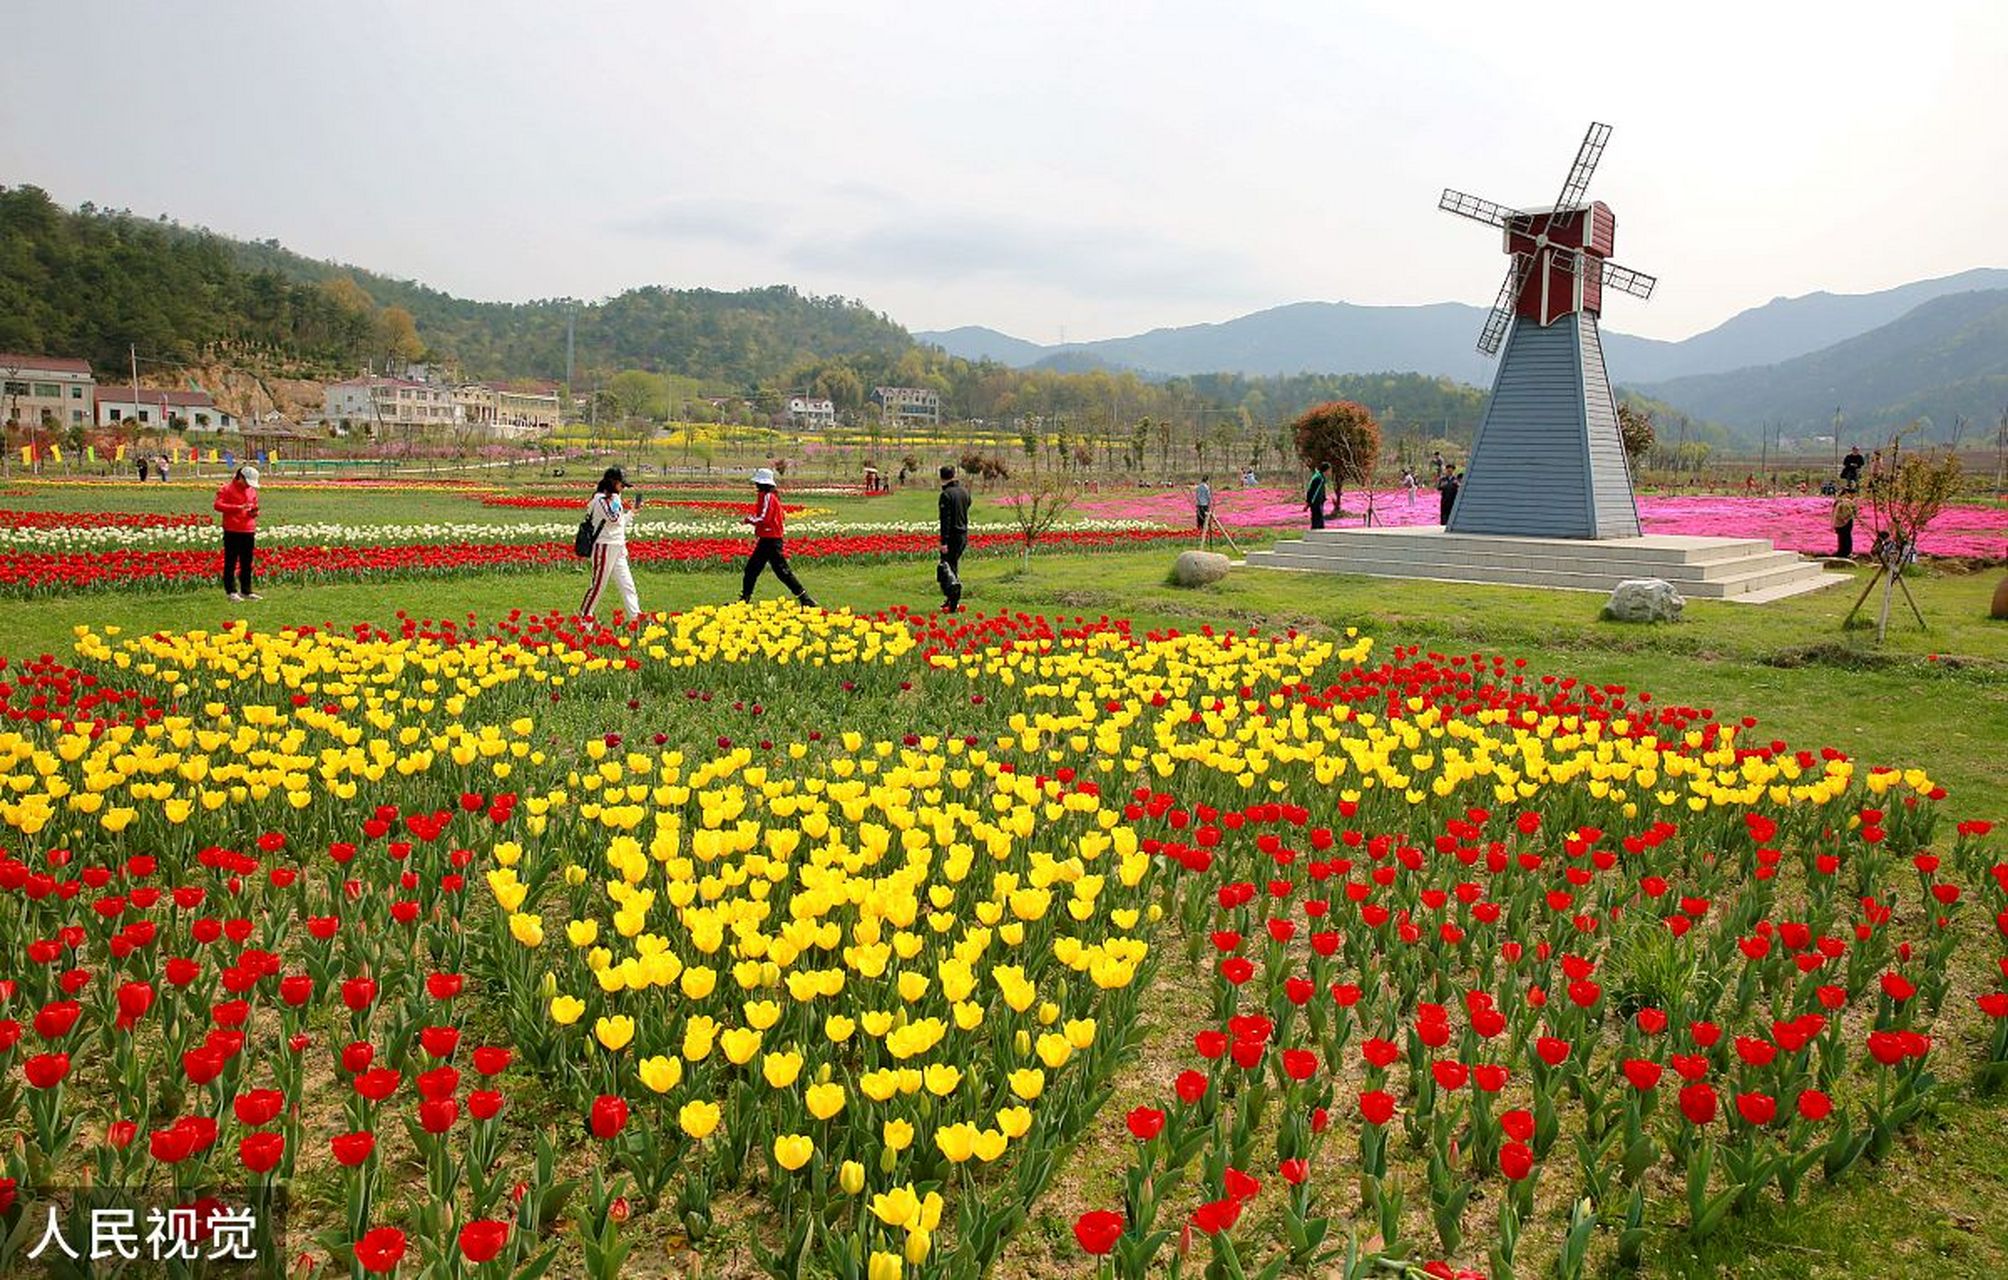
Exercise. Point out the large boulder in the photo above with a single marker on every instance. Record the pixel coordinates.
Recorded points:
(2000, 609)
(1644, 600)
(1197, 568)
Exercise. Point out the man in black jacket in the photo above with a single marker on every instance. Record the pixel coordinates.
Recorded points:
(954, 538)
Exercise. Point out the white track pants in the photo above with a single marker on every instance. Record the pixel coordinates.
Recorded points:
(610, 564)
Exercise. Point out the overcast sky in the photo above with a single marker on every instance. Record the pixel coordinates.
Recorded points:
(1092, 168)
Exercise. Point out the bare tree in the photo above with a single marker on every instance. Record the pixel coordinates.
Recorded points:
(1037, 506)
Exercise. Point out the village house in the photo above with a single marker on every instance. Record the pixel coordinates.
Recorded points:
(373, 403)
(917, 403)
(186, 410)
(46, 391)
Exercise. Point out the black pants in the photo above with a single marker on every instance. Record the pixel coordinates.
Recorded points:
(767, 551)
(1201, 524)
(1318, 514)
(1444, 503)
(237, 548)
(1845, 535)
(951, 581)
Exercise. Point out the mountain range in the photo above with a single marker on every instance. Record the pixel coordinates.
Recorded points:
(1924, 347)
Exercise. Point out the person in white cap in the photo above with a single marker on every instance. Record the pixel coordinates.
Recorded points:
(237, 503)
(768, 548)
(611, 514)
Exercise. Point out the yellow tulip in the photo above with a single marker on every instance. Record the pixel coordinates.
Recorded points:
(661, 1074)
(917, 1245)
(896, 1207)
(1016, 1122)
(781, 1069)
(614, 1033)
(698, 1118)
(740, 1044)
(883, 1266)
(956, 1141)
(896, 1134)
(792, 1151)
(941, 1078)
(824, 1100)
(1028, 1083)
(990, 1144)
(565, 1010)
(527, 929)
(851, 1177)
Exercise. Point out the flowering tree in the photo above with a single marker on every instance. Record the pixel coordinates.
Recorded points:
(1345, 436)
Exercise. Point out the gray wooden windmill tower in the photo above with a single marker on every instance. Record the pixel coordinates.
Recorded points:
(1548, 461)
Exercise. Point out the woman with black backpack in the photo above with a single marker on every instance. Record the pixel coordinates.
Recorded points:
(603, 536)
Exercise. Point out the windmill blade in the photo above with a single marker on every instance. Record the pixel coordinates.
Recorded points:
(1494, 331)
(1578, 181)
(1476, 208)
(1636, 283)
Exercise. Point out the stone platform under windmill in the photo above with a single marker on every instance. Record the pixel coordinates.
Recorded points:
(1737, 570)
(1547, 500)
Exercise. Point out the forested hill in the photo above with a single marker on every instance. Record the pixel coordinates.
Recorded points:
(90, 282)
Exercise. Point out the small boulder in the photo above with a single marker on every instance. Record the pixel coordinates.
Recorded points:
(1644, 600)
(2000, 608)
(1197, 568)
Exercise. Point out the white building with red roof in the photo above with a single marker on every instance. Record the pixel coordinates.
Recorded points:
(46, 391)
(153, 407)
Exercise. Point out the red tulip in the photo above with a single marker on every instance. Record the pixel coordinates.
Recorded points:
(46, 1070)
(55, 1020)
(356, 1057)
(1217, 1216)
(1757, 1109)
(1814, 1105)
(1377, 1106)
(1294, 1171)
(491, 1060)
(1191, 1087)
(377, 1084)
(1642, 1074)
(1516, 1160)
(1697, 1104)
(358, 994)
(351, 1149)
(260, 1152)
(1097, 1231)
(484, 1104)
(482, 1239)
(1449, 1074)
(438, 1115)
(1299, 1064)
(380, 1250)
(608, 1117)
(1145, 1123)
(1517, 1124)
(258, 1107)
(120, 1133)
(439, 1082)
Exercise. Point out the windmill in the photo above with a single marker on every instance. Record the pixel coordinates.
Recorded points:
(1548, 460)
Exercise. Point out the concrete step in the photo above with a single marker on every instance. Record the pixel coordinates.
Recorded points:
(1747, 570)
(1392, 556)
(1654, 547)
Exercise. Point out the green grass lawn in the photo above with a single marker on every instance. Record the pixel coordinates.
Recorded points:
(1936, 698)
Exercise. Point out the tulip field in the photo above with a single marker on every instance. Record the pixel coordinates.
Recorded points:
(869, 943)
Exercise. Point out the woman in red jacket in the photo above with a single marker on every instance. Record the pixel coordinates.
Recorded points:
(767, 546)
(237, 501)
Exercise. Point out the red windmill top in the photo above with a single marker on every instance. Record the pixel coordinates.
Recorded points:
(1561, 253)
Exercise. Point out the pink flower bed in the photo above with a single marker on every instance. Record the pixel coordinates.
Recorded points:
(1790, 522)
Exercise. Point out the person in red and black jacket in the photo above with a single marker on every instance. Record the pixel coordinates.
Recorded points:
(237, 503)
(767, 545)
